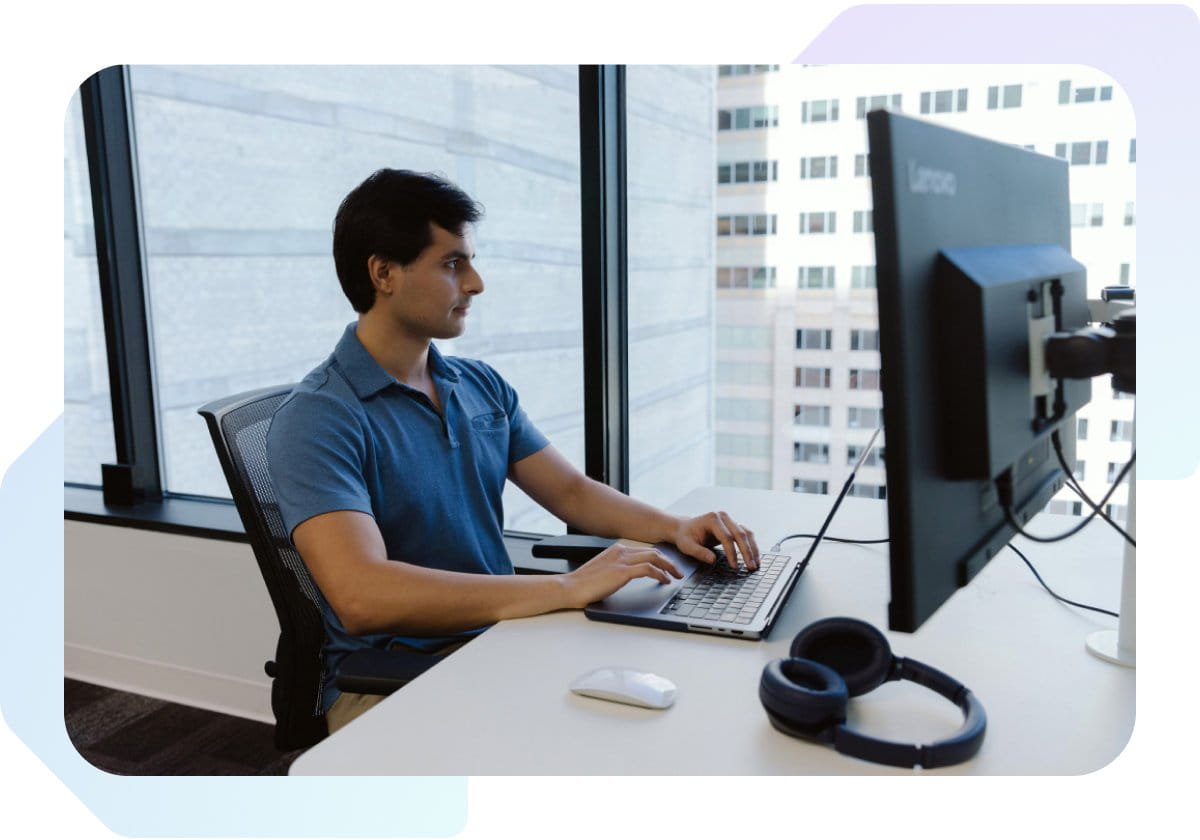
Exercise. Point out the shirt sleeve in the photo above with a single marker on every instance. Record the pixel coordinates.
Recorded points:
(316, 450)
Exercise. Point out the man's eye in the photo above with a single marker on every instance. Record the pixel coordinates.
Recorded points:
(452, 264)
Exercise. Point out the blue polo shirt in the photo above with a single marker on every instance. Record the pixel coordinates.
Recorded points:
(352, 437)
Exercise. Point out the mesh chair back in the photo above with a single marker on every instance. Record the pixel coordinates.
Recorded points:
(238, 426)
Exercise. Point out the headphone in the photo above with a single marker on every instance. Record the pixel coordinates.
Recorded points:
(837, 658)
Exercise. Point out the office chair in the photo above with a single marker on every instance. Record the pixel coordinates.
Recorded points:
(238, 425)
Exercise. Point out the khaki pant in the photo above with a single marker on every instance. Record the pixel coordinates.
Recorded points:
(349, 705)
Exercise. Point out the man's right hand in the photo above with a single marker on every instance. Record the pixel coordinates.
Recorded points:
(611, 569)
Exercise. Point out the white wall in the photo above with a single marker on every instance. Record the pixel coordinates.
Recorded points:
(179, 618)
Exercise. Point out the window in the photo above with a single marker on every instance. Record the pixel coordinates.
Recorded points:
(814, 339)
(862, 166)
(746, 277)
(818, 222)
(745, 172)
(1115, 512)
(729, 408)
(744, 446)
(811, 415)
(1083, 153)
(744, 337)
(1121, 430)
(858, 417)
(1097, 217)
(864, 221)
(1065, 508)
(745, 119)
(1008, 96)
(815, 277)
(862, 379)
(1124, 276)
(818, 167)
(1080, 470)
(868, 491)
(862, 277)
(1083, 215)
(863, 104)
(813, 377)
(808, 485)
(1133, 150)
(943, 101)
(1113, 471)
(87, 403)
(1081, 428)
(875, 459)
(864, 339)
(819, 110)
(1129, 215)
(759, 224)
(1068, 95)
(745, 69)
(743, 373)
(811, 453)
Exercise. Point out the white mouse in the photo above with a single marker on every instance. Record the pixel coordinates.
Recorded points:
(627, 685)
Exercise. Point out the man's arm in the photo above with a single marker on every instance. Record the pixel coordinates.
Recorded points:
(345, 555)
(554, 483)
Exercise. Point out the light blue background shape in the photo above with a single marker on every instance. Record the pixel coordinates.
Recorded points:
(31, 696)
(1153, 53)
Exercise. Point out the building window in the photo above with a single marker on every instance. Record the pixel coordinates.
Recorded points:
(746, 277)
(1129, 215)
(1084, 216)
(811, 415)
(744, 410)
(818, 222)
(1064, 508)
(815, 277)
(875, 459)
(1081, 430)
(759, 224)
(813, 377)
(864, 104)
(745, 446)
(746, 172)
(1115, 512)
(811, 453)
(743, 373)
(745, 119)
(862, 277)
(943, 101)
(756, 338)
(819, 110)
(1080, 470)
(864, 221)
(868, 491)
(1113, 471)
(1124, 279)
(745, 69)
(1006, 96)
(864, 379)
(1069, 95)
(858, 417)
(862, 166)
(864, 339)
(1121, 430)
(1083, 153)
(811, 339)
(818, 167)
(808, 485)
(1133, 150)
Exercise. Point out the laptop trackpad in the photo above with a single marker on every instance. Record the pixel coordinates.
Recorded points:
(642, 595)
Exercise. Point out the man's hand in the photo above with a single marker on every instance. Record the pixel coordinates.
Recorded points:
(611, 569)
(695, 537)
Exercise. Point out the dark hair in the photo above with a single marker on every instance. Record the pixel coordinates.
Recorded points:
(389, 215)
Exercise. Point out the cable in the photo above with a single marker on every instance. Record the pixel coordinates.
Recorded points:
(1055, 594)
(1074, 485)
(1005, 490)
(780, 543)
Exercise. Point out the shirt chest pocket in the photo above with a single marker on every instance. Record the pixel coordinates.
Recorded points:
(490, 422)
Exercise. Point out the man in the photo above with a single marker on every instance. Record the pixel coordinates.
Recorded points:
(389, 459)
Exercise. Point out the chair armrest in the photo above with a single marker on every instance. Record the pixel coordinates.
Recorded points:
(375, 671)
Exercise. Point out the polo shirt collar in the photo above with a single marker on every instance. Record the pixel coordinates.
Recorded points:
(366, 375)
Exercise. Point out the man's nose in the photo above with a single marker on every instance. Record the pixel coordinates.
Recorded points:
(473, 283)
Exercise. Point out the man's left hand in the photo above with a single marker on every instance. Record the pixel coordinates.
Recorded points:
(695, 537)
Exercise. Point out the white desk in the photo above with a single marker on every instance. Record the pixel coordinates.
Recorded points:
(500, 705)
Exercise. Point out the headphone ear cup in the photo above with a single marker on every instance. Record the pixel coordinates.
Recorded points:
(802, 698)
(856, 650)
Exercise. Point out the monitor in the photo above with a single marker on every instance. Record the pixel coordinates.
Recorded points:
(973, 272)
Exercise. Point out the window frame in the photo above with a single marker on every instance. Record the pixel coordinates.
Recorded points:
(112, 166)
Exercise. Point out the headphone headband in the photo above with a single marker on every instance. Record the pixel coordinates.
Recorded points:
(806, 698)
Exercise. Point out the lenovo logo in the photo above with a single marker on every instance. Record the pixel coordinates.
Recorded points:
(923, 179)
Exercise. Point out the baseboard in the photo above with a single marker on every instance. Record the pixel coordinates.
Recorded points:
(214, 692)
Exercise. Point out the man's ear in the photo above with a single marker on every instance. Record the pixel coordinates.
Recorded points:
(381, 272)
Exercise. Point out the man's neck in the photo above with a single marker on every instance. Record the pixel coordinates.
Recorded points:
(403, 356)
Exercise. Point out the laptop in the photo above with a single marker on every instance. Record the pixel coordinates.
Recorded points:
(716, 599)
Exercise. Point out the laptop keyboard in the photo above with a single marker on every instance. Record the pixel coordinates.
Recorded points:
(720, 593)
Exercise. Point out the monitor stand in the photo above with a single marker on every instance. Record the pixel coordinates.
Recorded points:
(1118, 646)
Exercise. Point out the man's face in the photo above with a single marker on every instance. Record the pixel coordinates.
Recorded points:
(430, 297)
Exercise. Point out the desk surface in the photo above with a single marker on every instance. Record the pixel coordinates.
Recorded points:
(501, 706)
